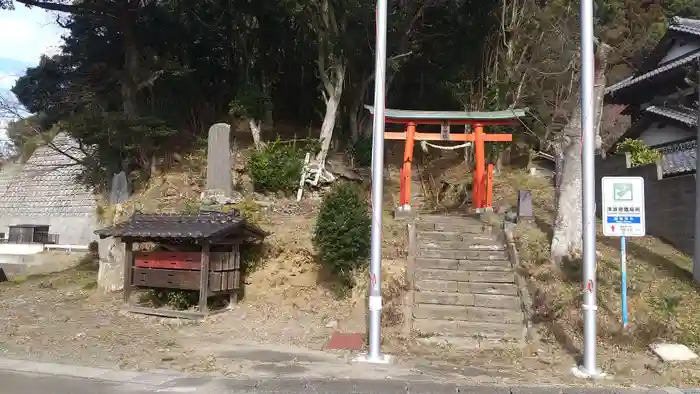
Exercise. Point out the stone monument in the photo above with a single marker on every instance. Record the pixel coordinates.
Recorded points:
(110, 276)
(218, 195)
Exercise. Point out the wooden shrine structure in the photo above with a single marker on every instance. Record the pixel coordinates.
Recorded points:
(201, 252)
(483, 173)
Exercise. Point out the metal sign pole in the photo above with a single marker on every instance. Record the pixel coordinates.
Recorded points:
(589, 367)
(375, 267)
(623, 280)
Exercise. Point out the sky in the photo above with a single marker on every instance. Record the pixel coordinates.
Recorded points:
(25, 34)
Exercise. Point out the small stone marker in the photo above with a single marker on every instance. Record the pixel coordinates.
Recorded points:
(119, 192)
(668, 352)
(524, 204)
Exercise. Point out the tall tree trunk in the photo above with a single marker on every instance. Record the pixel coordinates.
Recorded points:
(568, 224)
(130, 74)
(255, 127)
(333, 93)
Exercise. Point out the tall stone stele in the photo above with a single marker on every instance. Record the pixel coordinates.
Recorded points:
(218, 193)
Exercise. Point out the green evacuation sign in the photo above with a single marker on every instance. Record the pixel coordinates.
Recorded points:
(623, 206)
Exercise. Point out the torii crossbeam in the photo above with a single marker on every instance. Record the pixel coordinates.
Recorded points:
(483, 176)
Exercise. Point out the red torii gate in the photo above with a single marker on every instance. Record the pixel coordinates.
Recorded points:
(483, 176)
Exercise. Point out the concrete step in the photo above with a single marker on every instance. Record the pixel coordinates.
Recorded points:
(444, 253)
(453, 286)
(466, 299)
(469, 329)
(467, 313)
(465, 265)
(460, 245)
(462, 227)
(457, 236)
(466, 276)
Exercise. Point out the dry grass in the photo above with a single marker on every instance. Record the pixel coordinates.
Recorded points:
(664, 302)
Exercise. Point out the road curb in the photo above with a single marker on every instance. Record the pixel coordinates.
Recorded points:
(154, 378)
(170, 381)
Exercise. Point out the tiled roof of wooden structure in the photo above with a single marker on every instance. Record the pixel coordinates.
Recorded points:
(664, 70)
(685, 25)
(678, 157)
(651, 70)
(190, 227)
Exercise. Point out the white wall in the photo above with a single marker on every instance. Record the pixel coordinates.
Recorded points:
(660, 132)
(71, 230)
(680, 48)
(21, 249)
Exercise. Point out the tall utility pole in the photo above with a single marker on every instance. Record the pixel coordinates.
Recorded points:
(696, 251)
(589, 368)
(375, 265)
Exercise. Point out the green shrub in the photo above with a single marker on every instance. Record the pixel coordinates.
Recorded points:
(640, 153)
(361, 151)
(342, 234)
(277, 167)
(177, 299)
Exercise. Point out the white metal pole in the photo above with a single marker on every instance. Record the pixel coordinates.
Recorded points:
(696, 252)
(375, 267)
(588, 111)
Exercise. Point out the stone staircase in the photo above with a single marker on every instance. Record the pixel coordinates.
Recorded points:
(464, 286)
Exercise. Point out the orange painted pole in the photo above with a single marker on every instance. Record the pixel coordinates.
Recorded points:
(489, 186)
(407, 161)
(480, 166)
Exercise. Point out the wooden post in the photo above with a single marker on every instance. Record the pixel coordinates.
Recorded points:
(489, 187)
(478, 192)
(128, 269)
(407, 161)
(204, 278)
(402, 188)
(236, 256)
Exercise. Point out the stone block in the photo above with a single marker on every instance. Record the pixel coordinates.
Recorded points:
(442, 312)
(435, 263)
(444, 298)
(449, 275)
(494, 315)
(497, 301)
(491, 276)
(487, 265)
(469, 328)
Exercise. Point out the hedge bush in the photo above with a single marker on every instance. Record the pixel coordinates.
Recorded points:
(342, 233)
(276, 167)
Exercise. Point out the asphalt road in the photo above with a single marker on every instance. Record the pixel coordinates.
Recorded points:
(36, 383)
(33, 383)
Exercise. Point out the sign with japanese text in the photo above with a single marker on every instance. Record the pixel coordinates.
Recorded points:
(623, 206)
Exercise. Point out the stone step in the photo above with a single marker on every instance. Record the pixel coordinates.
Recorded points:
(445, 253)
(469, 329)
(462, 227)
(456, 236)
(453, 286)
(466, 313)
(466, 276)
(465, 265)
(460, 245)
(466, 299)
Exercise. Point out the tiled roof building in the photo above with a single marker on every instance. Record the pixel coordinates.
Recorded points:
(45, 192)
(661, 97)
